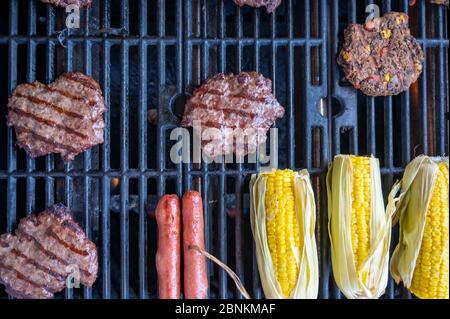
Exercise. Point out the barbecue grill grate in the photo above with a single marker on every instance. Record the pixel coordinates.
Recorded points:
(150, 55)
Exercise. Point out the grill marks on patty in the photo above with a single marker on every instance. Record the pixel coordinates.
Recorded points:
(42, 278)
(21, 287)
(44, 269)
(33, 264)
(239, 106)
(48, 122)
(50, 234)
(64, 117)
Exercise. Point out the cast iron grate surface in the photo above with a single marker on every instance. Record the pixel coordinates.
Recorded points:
(149, 55)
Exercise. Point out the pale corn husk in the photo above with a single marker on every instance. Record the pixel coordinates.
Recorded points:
(409, 208)
(371, 280)
(231, 273)
(307, 286)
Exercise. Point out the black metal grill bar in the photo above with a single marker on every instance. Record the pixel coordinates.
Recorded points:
(290, 98)
(423, 85)
(153, 174)
(259, 41)
(131, 40)
(150, 40)
(87, 156)
(406, 121)
(256, 285)
(443, 85)
(222, 218)
(106, 158)
(143, 289)
(124, 183)
(230, 173)
(238, 237)
(131, 173)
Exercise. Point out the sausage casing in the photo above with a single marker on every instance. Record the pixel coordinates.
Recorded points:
(195, 274)
(169, 241)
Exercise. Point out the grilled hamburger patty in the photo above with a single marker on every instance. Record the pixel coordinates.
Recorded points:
(381, 57)
(270, 5)
(47, 248)
(227, 102)
(64, 117)
(65, 3)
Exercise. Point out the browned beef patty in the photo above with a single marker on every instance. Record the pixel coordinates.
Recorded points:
(65, 3)
(381, 57)
(270, 5)
(47, 247)
(231, 106)
(64, 117)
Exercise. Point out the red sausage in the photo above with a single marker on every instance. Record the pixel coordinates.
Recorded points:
(168, 254)
(195, 276)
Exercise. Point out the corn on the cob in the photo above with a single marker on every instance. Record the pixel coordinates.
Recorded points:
(421, 258)
(283, 221)
(358, 227)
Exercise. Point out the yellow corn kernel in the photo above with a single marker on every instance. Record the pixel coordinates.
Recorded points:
(283, 231)
(418, 65)
(400, 19)
(368, 49)
(346, 56)
(387, 78)
(360, 220)
(386, 33)
(431, 279)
